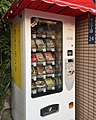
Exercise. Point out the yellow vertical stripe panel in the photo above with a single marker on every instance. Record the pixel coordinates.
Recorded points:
(16, 53)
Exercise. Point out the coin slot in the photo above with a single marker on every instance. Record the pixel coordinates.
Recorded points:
(69, 52)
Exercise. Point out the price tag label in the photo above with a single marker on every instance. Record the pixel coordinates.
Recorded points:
(53, 88)
(44, 63)
(34, 91)
(44, 76)
(34, 50)
(34, 78)
(34, 64)
(44, 50)
(53, 49)
(53, 63)
(44, 89)
(53, 75)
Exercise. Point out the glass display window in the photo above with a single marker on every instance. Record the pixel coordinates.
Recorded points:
(46, 57)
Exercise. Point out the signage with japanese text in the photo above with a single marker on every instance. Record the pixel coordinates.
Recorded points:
(91, 31)
(16, 54)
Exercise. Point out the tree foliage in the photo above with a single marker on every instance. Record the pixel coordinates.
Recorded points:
(5, 51)
(4, 5)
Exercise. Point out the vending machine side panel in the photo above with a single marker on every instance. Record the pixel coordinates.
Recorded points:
(18, 70)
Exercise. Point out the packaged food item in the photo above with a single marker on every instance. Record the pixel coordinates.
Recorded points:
(40, 83)
(49, 69)
(58, 82)
(34, 88)
(40, 57)
(33, 45)
(41, 70)
(33, 57)
(39, 35)
(40, 29)
(58, 56)
(49, 34)
(40, 44)
(48, 56)
(33, 71)
(33, 85)
(53, 36)
(41, 86)
(43, 34)
(50, 83)
(49, 43)
(58, 44)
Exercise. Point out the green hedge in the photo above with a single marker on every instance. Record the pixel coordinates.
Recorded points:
(5, 62)
(5, 52)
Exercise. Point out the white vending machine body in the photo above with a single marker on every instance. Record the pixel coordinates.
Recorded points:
(57, 106)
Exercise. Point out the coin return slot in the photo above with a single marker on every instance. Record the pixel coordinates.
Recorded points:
(49, 110)
(71, 105)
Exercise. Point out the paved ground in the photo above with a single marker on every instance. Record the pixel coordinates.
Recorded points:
(5, 114)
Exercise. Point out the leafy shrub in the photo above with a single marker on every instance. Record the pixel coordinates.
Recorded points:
(5, 52)
(5, 62)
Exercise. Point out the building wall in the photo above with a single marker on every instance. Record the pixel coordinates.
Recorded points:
(85, 72)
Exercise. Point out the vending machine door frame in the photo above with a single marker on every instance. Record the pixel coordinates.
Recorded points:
(63, 98)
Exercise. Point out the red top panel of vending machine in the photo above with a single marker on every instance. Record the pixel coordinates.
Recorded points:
(63, 7)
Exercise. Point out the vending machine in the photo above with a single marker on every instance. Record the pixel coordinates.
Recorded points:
(43, 66)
